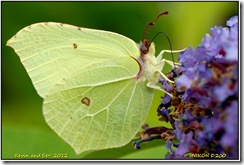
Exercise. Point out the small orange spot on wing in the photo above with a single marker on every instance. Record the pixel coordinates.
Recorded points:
(85, 101)
(75, 45)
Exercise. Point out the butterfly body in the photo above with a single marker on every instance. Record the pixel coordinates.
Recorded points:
(149, 68)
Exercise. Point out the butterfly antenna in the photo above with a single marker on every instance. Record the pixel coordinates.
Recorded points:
(169, 44)
(149, 25)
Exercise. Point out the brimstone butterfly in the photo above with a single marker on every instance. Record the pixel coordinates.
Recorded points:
(97, 86)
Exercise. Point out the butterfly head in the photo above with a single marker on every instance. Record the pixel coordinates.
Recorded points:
(146, 47)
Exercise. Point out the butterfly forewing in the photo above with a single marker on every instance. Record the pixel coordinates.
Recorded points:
(53, 51)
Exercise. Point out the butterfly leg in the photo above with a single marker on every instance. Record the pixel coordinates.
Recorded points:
(161, 62)
(165, 77)
(173, 64)
(160, 56)
(154, 86)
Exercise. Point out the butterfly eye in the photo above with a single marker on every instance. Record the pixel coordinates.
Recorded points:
(144, 49)
(145, 46)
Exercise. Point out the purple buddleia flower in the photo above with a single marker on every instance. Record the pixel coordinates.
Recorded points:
(230, 139)
(178, 132)
(204, 110)
(207, 116)
(182, 149)
(188, 58)
(185, 144)
(183, 82)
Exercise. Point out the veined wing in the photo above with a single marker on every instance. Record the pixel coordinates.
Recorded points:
(99, 117)
(53, 51)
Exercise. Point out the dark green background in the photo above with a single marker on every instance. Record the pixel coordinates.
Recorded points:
(24, 130)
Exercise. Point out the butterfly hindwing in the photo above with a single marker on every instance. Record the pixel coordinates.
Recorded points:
(98, 117)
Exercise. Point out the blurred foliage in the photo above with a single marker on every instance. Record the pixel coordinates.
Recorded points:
(24, 130)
